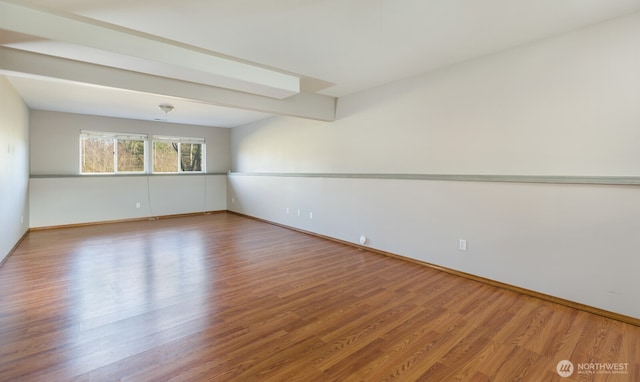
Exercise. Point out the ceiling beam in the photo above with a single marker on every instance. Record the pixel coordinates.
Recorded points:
(159, 56)
(23, 63)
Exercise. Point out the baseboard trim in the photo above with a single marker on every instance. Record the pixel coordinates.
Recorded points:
(24, 235)
(127, 220)
(527, 292)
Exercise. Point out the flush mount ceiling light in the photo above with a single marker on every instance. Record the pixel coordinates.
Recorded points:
(166, 108)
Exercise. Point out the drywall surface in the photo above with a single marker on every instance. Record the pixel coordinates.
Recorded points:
(55, 139)
(561, 106)
(14, 168)
(60, 196)
(73, 200)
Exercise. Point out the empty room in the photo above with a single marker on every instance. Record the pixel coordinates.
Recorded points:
(336, 190)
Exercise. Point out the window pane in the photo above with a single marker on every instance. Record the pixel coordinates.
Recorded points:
(191, 156)
(165, 157)
(97, 155)
(130, 155)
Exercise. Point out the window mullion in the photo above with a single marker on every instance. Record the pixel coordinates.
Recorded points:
(115, 156)
(179, 156)
(147, 157)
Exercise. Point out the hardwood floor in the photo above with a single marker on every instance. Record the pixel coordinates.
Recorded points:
(227, 298)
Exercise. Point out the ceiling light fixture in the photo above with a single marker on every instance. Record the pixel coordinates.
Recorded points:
(166, 108)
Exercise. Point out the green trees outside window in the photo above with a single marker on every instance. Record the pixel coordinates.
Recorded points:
(109, 153)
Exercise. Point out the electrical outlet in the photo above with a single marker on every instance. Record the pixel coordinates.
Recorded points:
(298, 212)
(287, 210)
(462, 245)
(310, 215)
(138, 205)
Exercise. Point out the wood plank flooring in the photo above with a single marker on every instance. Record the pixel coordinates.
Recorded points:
(227, 298)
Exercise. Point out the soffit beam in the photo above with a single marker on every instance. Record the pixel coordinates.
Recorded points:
(159, 56)
(23, 63)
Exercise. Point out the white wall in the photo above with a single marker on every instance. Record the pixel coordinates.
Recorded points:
(59, 196)
(55, 139)
(14, 167)
(562, 106)
(72, 200)
(566, 106)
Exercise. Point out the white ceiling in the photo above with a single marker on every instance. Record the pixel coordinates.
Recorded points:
(336, 47)
(70, 97)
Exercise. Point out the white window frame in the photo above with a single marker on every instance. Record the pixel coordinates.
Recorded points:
(178, 140)
(115, 136)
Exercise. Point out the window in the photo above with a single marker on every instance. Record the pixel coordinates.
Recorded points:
(109, 153)
(174, 154)
(115, 153)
